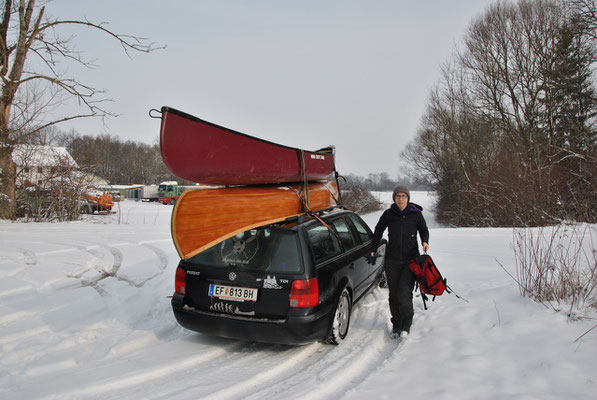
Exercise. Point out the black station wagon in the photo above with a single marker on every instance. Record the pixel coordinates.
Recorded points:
(291, 283)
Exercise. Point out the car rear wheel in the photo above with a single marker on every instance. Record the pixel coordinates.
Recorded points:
(341, 320)
(383, 282)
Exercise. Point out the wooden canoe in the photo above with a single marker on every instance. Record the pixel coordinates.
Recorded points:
(203, 152)
(204, 217)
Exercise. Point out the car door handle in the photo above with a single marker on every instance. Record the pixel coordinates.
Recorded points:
(351, 266)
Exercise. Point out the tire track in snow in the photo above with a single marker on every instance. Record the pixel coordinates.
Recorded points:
(106, 386)
(114, 264)
(105, 271)
(162, 264)
(10, 317)
(118, 258)
(117, 262)
(342, 367)
(365, 363)
(30, 257)
(29, 260)
(235, 372)
(94, 250)
(161, 255)
(349, 364)
(17, 337)
(98, 251)
(264, 378)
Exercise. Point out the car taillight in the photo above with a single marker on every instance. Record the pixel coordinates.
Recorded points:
(304, 293)
(179, 281)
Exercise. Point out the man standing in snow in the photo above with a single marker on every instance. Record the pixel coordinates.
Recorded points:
(403, 220)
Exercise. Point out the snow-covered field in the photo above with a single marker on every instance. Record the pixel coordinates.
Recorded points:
(85, 314)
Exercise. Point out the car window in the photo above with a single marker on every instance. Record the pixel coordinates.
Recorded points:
(324, 243)
(268, 249)
(363, 230)
(344, 233)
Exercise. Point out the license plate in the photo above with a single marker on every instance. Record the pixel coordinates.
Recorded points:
(233, 293)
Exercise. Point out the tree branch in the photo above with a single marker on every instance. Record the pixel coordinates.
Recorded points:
(128, 42)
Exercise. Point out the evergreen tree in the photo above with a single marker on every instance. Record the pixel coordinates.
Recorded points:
(572, 92)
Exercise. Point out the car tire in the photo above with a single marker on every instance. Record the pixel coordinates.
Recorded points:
(383, 282)
(341, 319)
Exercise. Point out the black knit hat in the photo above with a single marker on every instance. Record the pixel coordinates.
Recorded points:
(401, 189)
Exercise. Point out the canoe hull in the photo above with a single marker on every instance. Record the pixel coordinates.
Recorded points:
(199, 220)
(203, 152)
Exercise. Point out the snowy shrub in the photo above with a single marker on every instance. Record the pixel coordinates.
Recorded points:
(360, 200)
(557, 266)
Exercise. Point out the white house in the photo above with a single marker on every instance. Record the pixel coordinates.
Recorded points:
(38, 164)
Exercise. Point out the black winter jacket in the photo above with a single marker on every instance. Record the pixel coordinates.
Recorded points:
(402, 232)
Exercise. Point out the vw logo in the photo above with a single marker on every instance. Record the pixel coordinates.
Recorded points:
(232, 276)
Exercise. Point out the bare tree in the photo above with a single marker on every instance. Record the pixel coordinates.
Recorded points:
(455, 147)
(509, 136)
(26, 95)
(119, 162)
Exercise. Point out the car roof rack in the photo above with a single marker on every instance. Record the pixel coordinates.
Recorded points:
(303, 217)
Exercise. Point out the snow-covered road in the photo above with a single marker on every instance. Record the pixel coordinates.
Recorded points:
(85, 314)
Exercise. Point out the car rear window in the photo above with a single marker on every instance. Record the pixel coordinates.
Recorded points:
(270, 249)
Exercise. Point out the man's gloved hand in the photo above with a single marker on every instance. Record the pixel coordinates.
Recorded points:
(371, 258)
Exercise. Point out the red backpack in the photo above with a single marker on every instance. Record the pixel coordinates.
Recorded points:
(429, 279)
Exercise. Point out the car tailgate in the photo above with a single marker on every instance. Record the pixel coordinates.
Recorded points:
(237, 293)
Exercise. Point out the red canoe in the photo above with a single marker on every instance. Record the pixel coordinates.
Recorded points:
(203, 152)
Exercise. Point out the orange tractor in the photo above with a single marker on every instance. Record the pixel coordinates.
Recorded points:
(98, 201)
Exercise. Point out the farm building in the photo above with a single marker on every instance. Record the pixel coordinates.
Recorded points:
(37, 165)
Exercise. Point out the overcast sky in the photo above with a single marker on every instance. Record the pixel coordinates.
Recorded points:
(308, 74)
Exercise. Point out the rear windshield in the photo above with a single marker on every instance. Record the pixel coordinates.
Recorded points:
(269, 249)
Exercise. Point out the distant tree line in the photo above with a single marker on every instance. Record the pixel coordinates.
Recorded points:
(356, 190)
(119, 162)
(509, 135)
(380, 182)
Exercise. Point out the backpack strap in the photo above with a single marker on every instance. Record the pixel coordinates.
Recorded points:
(450, 290)
(425, 298)
(423, 295)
